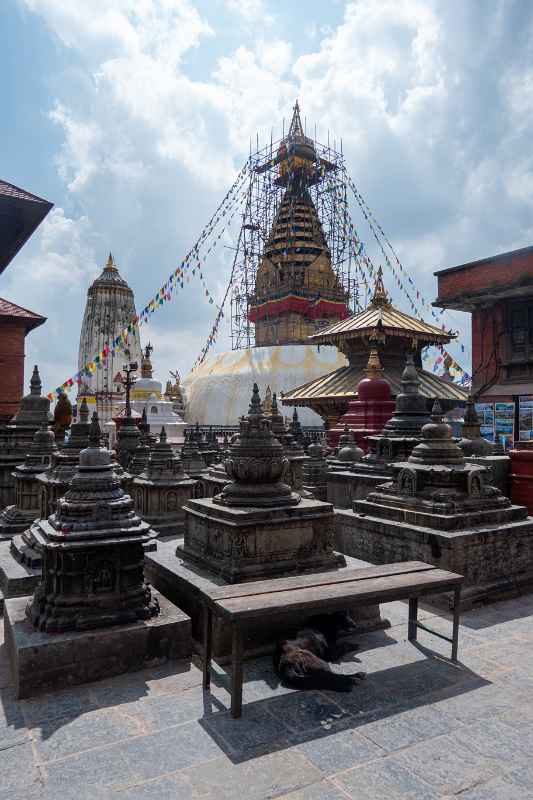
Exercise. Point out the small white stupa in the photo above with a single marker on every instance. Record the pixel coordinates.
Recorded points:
(148, 393)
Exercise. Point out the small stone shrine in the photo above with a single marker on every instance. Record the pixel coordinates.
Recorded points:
(128, 435)
(442, 510)
(16, 438)
(256, 527)
(348, 453)
(395, 442)
(55, 482)
(235, 534)
(27, 507)
(191, 458)
(92, 578)
(162, 489)
(141, 454)
(478, 450)
(374, 406)
(315, 472)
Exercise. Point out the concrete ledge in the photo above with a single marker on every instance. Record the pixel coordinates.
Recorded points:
(42, 662)
(497, 562)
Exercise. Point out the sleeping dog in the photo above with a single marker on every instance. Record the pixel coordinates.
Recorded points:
(302, 663)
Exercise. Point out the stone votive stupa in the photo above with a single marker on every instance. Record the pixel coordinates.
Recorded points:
(257, 526)
(53, 484)
(315, 472)
(16, 438)
(27, 507)
(191, 458)
(162, 489)
(348, 453)
(374, 406)
(440, 509)
(92, 580)
(395, 442)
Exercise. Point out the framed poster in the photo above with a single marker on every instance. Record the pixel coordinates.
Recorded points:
(525, 418)
(485, 413)
(504, 423)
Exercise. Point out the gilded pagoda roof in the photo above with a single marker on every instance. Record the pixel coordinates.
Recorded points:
(382, 316)
(342, 384)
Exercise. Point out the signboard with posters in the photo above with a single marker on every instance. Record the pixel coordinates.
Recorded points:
(504, 423)
(525, 418)
(485, 413)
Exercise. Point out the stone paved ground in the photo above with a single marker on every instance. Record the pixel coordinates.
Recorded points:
(419, 727)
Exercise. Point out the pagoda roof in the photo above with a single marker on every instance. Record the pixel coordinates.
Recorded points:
(20, 214)
(382, 317)
(341, 385)
(9, 310)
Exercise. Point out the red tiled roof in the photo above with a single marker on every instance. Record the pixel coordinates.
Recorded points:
(11, 311)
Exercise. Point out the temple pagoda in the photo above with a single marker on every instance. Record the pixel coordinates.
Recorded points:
(397, 333)
(109, 310)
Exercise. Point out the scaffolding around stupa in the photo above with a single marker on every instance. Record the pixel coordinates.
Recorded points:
(271, 170)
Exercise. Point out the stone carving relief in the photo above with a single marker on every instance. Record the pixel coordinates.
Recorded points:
(407, 483)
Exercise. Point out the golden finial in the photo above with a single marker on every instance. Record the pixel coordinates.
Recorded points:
(380, 297)
(374, 368)
(110, 263)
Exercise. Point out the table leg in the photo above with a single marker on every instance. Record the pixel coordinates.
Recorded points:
(413, 617)
(208, 638)
(456, 611)
(236, 673)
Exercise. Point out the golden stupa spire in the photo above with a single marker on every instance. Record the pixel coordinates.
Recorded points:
(296, 128)
(374, 368)
(110, 263)
(380, 297)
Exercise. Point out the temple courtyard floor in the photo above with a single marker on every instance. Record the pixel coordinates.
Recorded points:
(418, 727)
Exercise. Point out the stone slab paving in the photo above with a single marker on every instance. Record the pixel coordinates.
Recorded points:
(418, 727)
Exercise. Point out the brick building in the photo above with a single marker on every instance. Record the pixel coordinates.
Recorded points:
(20, 214)
(498, 292)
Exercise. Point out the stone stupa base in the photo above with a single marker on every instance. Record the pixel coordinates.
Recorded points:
(183, 582)
(254, 543)
(42, 662)
(496, 561)
(346, 486)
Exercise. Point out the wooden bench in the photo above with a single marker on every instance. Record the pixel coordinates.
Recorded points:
(323, 592)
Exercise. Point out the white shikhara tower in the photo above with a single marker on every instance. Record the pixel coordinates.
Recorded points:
(110, 309)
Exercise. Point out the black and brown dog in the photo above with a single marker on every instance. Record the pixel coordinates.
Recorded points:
(302, 662)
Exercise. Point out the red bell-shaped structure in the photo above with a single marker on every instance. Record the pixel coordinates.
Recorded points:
(374, 406)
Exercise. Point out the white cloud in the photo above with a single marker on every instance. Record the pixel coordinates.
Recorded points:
(433, 102)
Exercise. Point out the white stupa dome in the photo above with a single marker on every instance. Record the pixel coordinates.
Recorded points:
(218, 391)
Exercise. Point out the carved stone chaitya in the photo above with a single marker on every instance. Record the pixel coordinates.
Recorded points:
(53, 484)
(472, 443)
(315, 472)
(191, 458)
(27, 507)
(56, 481)
(348, 452)
(16, 438)
(443, 510)
(257, 526)
(92, 552)
(162, 489)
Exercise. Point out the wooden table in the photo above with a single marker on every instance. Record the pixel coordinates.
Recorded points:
(323, 592)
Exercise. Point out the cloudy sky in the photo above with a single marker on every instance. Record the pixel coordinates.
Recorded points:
(134, 116)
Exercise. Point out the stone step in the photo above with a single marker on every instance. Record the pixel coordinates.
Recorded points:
(16, 579)
(25, 553)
